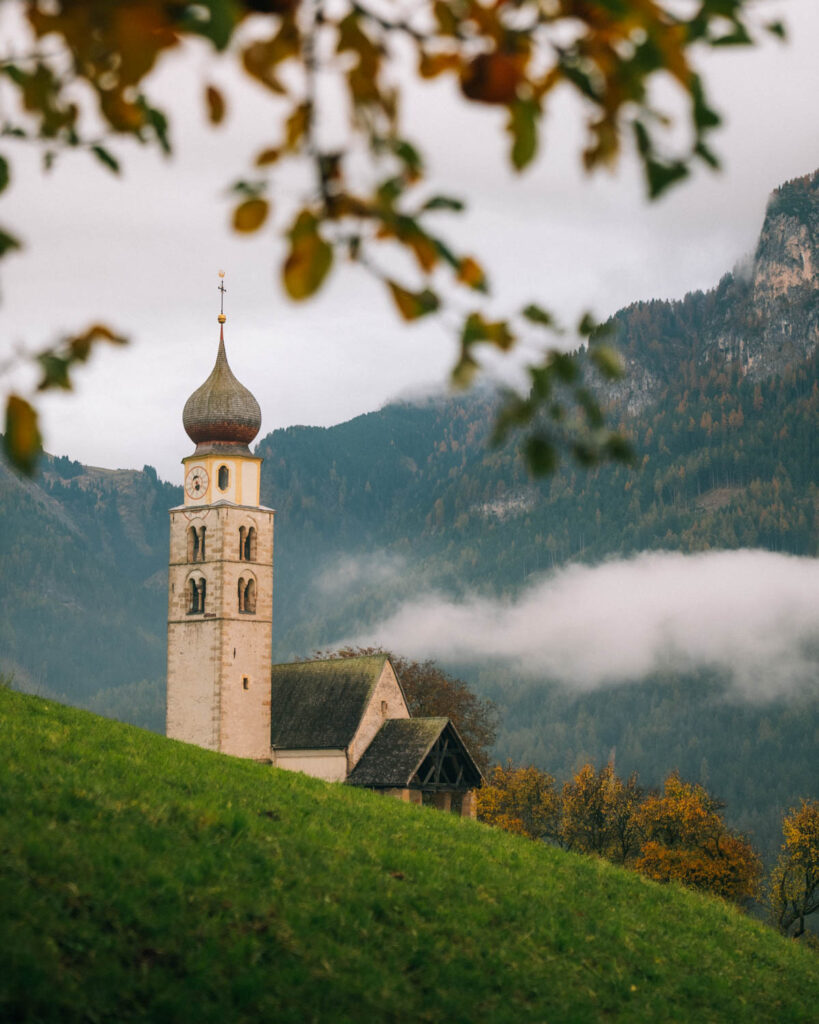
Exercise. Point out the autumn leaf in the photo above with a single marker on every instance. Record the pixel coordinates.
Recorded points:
(413, 305)
(268, 156)
(22, 441)
(522, 127)
(250, 215)
(472, 274)
(493, 77)
(309, 259)
(216, 104)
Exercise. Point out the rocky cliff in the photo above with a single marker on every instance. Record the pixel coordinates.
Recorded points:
(761, 318)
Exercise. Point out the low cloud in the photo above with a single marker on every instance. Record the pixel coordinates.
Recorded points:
(753, 614)
(362, 570)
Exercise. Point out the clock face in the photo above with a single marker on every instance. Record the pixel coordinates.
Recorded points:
(196, 482)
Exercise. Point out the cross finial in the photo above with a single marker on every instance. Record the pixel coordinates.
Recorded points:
(222, 290)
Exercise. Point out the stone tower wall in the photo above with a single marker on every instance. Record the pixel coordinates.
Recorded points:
(218, 692)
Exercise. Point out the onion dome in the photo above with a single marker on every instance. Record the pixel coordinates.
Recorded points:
(221, 415)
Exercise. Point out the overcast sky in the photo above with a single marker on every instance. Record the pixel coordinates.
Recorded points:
(142, 252)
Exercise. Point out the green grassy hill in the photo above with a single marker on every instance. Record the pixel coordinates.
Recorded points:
(141, 879)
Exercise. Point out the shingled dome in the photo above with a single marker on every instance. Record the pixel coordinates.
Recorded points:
(221, 413)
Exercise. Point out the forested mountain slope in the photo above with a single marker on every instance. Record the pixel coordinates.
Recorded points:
(721, 400)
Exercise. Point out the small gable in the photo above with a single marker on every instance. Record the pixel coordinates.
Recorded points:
(320, 704)
(419, 753)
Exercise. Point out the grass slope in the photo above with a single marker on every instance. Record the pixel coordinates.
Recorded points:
(141, 879)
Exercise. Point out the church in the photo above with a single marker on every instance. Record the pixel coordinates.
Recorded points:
(343, 720)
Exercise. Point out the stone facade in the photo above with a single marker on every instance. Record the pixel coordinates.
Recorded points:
(387, 702)
(218, 693)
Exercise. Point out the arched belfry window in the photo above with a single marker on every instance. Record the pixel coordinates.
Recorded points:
(196, 544)
(223, 478)
(247, 543)
(196, 595)
(247, 596)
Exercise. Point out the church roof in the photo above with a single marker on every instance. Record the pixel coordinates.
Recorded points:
(397, 751)
(222, 414)
(319, 704)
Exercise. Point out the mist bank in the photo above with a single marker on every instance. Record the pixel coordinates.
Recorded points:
(753, 615)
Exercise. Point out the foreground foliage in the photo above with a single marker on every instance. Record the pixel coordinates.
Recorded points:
(142, 879)
(83, 79)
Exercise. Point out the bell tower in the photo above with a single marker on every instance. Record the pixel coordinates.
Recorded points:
(220, 576)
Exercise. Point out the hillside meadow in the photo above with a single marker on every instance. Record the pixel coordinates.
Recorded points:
(145, 880)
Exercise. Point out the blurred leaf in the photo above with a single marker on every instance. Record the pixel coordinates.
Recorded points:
(309, 259)
(493, 77)
(443, 203)
(79, 346)
(589, 404)
(55, 371)
(296, 126)
(585, 454)
(213, 19)
(8, 243)
(738, 36)
(523, 128)
(216, 104)
(607, 361)
(472, 274)
(106, 158)
(540, 455)
(22, 441)
(250, 215)
(157, 120)
(4, 174)
(661, 176)
(619, 448)
(537, 315)
(476, 329)
(776, 28)
(409, 156)
(267, 156)
(564, 366)
(586, 324)
(413, 305)
(704, 116)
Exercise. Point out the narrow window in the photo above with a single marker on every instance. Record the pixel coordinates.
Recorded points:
(202, 597)
(250, 545)
(384, 708)
(241, 543)
(193, 597)
(245, 683)
(202, 544)
(193, 544)
(224, 478)
(241, 590)
(250, 597)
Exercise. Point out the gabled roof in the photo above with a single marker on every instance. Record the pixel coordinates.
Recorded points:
(400, 748)
(319, 704)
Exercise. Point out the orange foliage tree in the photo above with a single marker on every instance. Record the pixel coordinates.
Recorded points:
(685, 839)
(521, 800)
(598, 814)
(794, 883)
